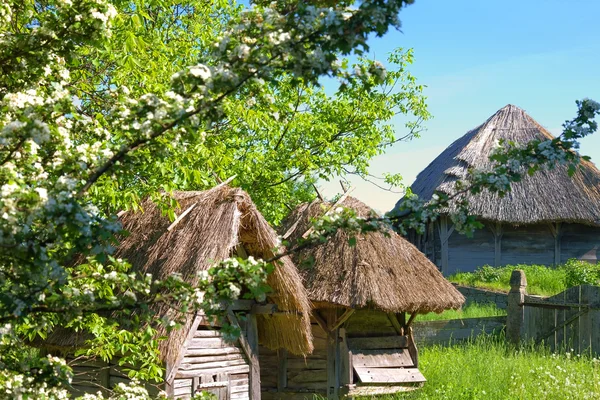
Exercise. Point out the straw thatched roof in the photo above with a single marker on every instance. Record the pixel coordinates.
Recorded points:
(550, 195)
(385, 273)
(221, 219)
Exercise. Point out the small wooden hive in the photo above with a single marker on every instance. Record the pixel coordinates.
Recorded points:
(363, 342)
(213, 225)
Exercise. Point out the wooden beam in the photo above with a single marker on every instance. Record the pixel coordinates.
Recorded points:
(395, 323)
(226, 181)
(320, 321)
(317, 191)
(264, 309)
(377, 343)
(172, 370)
(344, 188)
(412, 347)
(343, 318)
(186, 212)
(243, 342)
(281, 370)
(410, 319)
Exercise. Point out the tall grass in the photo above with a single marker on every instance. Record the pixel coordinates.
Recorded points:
(487, 368)
(541, 280)
(473, 310)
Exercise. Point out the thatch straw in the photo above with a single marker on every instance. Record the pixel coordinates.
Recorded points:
(550, 195)
(222, 218)
(386, 273)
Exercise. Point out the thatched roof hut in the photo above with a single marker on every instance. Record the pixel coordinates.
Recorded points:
(217, 224)
(547, 198)
(379, 272)
(360, 295)
(550, 195)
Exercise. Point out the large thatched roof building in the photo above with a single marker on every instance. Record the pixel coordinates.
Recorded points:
(214, 225)
(360, 295)
(547, 218)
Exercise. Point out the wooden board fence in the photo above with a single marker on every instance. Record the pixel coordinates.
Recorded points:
(568, 321)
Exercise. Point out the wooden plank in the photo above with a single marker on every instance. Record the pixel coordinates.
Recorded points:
(412, 348)
(389, 375)
(236, 369)
(308, 363)
(177, 383)
(374, 343)
(203, 333)
(213, 352)
(382, 358)
(298, 378)
(224, 391)
(211, 365)
(210, 359)
(208, 343)
(370, 391)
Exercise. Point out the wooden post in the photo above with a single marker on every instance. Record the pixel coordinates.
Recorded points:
(497, 231)
(444, 236)
(515, 308)
(282, 370)
(252, 335)
(333, 357)
(345, 360)
(557, 233)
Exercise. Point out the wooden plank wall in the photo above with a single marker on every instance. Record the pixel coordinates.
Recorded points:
(580, 241)
(304, 376)
(466, 254)
(215, 365)
(531, 244)
(579, 336)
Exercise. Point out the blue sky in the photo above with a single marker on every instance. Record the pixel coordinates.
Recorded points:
(476, 56)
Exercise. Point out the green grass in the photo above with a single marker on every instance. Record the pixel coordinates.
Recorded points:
(541, 280)
(473, 310)
(487, 369)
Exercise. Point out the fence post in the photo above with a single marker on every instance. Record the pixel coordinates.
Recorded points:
(515, 308)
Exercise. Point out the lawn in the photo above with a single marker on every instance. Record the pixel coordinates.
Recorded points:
(473, 310)
(487, 369)
(541, 280)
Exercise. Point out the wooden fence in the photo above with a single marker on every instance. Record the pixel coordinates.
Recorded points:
(567, 321)
(447, 332)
